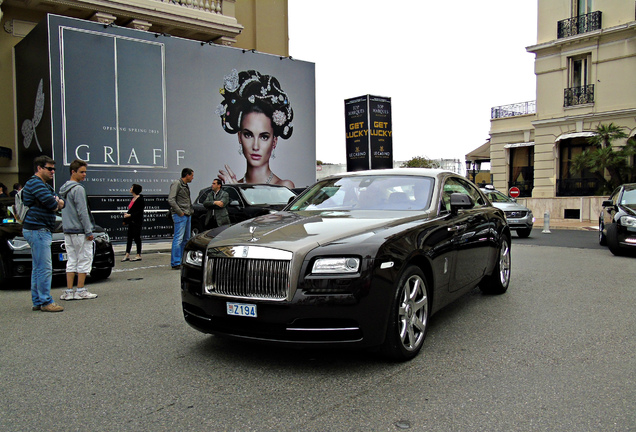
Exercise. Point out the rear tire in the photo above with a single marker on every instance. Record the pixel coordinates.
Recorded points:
(497, 283)
(602, 239)
(408, 318)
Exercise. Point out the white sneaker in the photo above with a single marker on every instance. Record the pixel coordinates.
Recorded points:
(67, 295)
(83, 295)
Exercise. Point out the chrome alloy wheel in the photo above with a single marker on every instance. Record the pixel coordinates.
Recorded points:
(504, 263)
(413, 313)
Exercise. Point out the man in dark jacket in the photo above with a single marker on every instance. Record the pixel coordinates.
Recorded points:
(216, 203)
(181, 210)
(37, 228)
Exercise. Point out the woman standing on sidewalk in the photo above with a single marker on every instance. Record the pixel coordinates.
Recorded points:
(134, 218)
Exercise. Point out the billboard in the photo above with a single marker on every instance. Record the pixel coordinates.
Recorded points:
(369, 133)
(139, 107)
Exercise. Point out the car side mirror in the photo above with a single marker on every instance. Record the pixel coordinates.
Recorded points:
(460, 201)
(234, 203)
(608, 203)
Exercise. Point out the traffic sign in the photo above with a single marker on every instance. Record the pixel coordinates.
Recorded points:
(514, 192)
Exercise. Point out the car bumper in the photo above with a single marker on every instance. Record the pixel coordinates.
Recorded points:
(356, 318)
(522, 223)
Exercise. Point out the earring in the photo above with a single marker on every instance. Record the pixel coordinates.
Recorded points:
(240, 150)
(273, 156)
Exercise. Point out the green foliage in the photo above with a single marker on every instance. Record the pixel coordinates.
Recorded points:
(603, 158)
(420, 162)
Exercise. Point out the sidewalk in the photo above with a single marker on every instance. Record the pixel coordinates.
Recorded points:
(559, 224)
(567, 224)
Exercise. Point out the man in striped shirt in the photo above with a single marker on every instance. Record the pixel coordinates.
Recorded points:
(38, 225)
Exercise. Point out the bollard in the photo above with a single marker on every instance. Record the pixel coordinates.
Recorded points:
(546, 223)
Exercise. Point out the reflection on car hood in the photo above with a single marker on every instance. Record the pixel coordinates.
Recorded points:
(510, 206)
(295, 231)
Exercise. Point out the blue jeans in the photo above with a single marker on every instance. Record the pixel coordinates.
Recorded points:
(42, 271)
(182, 228)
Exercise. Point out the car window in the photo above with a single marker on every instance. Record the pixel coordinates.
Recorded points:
(457, 185)
(204, 195)
(234, 196)
(496, 196)
(369, 193)
(263, 194)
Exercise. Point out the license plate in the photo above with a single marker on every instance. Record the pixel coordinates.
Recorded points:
(63, 257)
(241, 309)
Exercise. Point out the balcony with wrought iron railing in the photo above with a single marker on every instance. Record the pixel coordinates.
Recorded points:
(513, 110)
(579, 24)
(578, 95)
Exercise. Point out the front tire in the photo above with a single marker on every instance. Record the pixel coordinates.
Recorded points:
(408, 318)
(524, 233)
(101, 274)
(612, 240)
(498, 281)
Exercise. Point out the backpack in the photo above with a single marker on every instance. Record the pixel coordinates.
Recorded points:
(20, 209)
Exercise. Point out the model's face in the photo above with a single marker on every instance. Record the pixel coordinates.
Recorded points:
(257, 138)
(216, 186)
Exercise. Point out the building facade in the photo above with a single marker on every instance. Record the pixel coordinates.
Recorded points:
(249, 24)
(585, 67)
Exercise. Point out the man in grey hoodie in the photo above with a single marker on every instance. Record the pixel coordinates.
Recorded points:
(78, 233)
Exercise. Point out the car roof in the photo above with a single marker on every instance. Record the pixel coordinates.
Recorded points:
(419, 172)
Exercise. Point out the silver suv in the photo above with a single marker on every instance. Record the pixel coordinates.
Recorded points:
(519, 218)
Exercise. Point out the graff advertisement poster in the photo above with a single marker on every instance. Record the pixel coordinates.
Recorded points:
(139, 107)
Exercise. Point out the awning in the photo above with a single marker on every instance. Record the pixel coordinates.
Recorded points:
(481, 153)
(523, 144)
(570, 135)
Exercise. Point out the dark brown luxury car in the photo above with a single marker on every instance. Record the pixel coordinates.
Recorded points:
(360, 260)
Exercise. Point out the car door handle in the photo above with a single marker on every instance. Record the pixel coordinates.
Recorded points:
(457, 228)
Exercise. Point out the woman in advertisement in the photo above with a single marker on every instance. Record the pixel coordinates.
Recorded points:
(257, 109)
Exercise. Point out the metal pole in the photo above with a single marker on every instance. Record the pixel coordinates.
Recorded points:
(546, 223)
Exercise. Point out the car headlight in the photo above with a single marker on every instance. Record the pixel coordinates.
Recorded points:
(194, 257)
(16, 244)
(102, 235)
(628, 221)
(336, 265)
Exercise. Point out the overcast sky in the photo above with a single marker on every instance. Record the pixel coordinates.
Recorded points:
(443, 64)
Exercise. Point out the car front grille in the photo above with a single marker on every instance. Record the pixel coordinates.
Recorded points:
(247, 278)
(516, 214)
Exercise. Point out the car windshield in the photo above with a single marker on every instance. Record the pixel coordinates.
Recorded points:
(496, 196)
(368, 193)
(629, 198)
(263, 194)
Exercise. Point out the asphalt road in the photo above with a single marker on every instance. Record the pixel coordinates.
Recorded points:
(555, 353)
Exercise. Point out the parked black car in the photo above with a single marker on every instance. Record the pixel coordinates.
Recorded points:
(246, 201)
(361, 259)
(16, 262)
(617, 221)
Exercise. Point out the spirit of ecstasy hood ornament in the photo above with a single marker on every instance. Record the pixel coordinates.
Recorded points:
(252, 229)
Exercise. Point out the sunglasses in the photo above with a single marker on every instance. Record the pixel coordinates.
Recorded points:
(49, 168)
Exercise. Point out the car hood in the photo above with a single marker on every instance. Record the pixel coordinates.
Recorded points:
(305, 230)
(510, 206)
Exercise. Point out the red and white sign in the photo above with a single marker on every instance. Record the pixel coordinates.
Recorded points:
(514, 192)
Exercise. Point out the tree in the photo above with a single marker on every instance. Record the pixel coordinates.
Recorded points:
(420, 162)
(602, 157)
